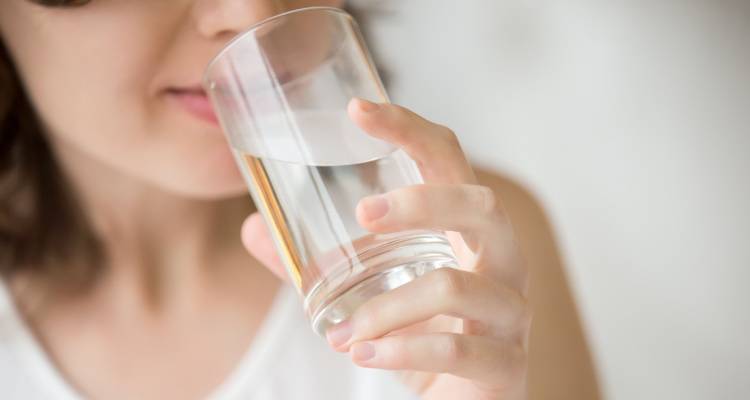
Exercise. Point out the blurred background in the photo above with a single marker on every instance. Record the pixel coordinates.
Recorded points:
(627, 121)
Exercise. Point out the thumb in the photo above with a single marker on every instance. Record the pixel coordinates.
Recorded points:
(257, 240)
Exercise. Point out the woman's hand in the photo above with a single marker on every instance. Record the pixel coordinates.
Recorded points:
(455, 333)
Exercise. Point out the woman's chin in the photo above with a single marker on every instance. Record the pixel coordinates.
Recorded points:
(212, 177)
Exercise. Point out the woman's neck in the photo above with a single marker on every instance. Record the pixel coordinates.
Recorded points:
(158, 244)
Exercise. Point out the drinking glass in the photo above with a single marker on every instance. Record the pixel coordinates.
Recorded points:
(280, 91)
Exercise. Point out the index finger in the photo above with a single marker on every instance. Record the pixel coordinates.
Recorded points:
(433, 147)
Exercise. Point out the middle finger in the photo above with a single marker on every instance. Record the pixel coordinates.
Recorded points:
(468, 209)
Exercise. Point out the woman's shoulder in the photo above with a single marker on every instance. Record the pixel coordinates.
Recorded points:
(560, 363)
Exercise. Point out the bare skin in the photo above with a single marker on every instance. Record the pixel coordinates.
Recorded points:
(181, 299)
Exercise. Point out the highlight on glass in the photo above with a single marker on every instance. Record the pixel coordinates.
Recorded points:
(280, 91)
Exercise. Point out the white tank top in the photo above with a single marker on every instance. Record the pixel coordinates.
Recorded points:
(285, 346)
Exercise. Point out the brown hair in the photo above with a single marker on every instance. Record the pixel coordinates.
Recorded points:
(41, 229)
(43, 233)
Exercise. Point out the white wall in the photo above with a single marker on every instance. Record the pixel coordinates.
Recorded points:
(630, 120)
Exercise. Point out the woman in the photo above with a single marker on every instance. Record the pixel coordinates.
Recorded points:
(121, 207)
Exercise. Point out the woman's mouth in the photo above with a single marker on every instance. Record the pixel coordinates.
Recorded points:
(195, 101)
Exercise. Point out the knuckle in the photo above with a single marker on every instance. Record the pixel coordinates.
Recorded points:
(378, 313)
(453, 348)
(397, 353)
(484, 198)
(449, 136)
(453, 143)
(515, 362)
(366, 318)
(521, 312)
(450, 282)
(415, 201)
(417, 194)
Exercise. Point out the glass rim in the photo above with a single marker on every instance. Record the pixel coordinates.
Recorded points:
(254, 27)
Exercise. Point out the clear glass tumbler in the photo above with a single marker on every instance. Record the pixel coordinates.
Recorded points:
(280, 90)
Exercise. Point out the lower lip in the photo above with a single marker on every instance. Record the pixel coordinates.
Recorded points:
(196, 104)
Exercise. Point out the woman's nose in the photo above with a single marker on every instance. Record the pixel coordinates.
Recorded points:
(214, 18)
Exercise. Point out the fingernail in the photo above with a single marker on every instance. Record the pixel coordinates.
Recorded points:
(363, 351)
(375, 207)
(367, 106)
(339, 334)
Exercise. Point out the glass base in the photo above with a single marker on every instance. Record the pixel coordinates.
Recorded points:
(388, 271)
